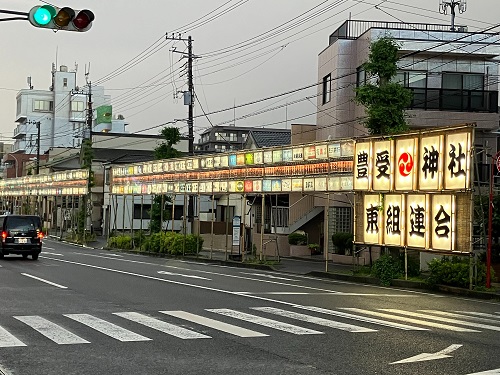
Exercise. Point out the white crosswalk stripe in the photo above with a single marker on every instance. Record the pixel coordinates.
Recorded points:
(290, 328)
(162, 326)
(410, 320)
(215, 324)
(313, 319)
(362, 318)
(107, 328)
(462, 316)
(8, 340)
(51, 330)
(479, 314)
(442, 319)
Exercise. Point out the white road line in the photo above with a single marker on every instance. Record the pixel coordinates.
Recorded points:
(489, 372)
(44, 281)
(268, 276)
(47, 253)
(162, 326)
(182, 275)
(462, 316)
(48, 248)
(479, 314)
(362, 318)
(215, 324)
(51, 330)
(290, 328)
(7, 340)
(107, 328)
(314, 320)
(112, 255)
(409, 320)
(442, 319)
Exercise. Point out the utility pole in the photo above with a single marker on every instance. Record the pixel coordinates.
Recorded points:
(37, 165)
(87, 161)
(189, 101)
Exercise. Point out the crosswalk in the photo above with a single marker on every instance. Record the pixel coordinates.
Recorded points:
(252, 322)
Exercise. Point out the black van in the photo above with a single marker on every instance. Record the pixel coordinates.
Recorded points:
(21, 234)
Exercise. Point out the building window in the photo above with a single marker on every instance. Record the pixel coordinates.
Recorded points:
(43, 105)
(233, 137)
(360, 76)
(412, 79)
(18, 109)
(65, 82)
(77, 106)
(145, 211)
(342, 220)
(327, 88)
(220, 148)
(220, 136)
(463, 81)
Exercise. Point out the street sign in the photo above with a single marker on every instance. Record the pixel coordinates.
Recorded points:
(236, 230)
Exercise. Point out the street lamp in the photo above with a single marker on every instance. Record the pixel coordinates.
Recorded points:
(15, 160)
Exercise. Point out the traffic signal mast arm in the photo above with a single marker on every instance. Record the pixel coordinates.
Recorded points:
(4, 11)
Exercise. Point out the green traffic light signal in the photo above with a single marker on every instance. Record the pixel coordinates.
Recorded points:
(44, 14)
(54, 18)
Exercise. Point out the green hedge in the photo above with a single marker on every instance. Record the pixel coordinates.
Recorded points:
(173, 243)
(454, 271)
(297, 238)
(162, 243)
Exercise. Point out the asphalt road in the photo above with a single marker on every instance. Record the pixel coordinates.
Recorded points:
(86, 311)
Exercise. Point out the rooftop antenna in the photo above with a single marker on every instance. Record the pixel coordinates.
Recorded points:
(29, 83)
(452, 4)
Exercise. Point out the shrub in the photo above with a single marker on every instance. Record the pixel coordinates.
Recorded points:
(386, 268)
(454, 271)
(173, 243)
(413, 264)
(120, 242)
(343, 242)
(297, 238)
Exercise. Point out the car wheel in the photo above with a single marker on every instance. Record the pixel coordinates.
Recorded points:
(34, 256)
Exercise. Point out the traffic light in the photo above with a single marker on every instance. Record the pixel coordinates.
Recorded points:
(51, 17)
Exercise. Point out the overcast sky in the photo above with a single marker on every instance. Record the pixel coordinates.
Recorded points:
(248, 50)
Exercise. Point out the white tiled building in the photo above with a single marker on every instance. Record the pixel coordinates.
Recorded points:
(61, 111)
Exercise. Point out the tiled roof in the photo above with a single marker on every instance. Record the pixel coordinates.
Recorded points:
(269, 138)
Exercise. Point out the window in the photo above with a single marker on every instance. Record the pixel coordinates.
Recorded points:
(18, 106)
(65, 82)
(233, 137)
(327, 88)
(463, 81)
(342, 219)
(220, 136)
(413, 79)
(43, 105)
(77, 106)
(145, 211)
(360, 77)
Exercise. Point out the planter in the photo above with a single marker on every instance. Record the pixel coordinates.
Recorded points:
(299, 251)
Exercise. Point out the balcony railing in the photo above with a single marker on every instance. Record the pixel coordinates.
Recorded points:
(455, 100)
(20, 131)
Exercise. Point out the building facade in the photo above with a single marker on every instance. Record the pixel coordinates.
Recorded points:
(60, 112)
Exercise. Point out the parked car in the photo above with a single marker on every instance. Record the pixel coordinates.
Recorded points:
(21, 234)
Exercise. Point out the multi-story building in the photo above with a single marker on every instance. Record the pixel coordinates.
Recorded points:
(453, 76)
(61, 113)
(223, 138)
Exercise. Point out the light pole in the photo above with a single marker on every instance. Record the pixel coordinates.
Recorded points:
(495, 163)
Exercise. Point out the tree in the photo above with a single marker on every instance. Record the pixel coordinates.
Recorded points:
(165, 150)
(385, 101)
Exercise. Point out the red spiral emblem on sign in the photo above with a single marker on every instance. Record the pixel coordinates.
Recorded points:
(405, 164)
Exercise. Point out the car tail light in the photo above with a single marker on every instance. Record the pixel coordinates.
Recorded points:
(40, 235)
(4, 236)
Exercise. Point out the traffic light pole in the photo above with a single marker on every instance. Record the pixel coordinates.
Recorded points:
(5, 11)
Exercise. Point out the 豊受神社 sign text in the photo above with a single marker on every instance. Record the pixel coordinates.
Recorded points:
(411, 188)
